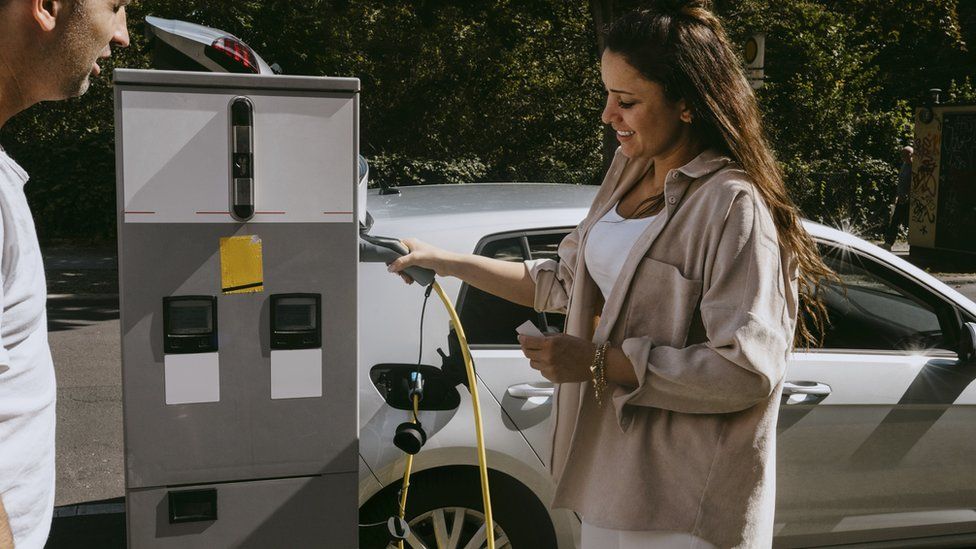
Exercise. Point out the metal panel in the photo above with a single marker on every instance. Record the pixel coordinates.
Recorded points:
(179, 172)
(296, 512)
(246, 434)
(285, 468)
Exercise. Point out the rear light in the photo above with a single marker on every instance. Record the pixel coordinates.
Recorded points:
(233, 55)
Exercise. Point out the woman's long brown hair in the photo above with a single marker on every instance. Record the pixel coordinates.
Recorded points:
(681, 45)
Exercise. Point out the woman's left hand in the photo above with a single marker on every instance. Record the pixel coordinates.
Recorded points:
(560, 358)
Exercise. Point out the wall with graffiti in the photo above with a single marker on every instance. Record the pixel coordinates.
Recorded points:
(942, 211)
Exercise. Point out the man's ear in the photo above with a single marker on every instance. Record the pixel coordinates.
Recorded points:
(46, 12)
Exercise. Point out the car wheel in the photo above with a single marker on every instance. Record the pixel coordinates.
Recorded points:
(444, 511)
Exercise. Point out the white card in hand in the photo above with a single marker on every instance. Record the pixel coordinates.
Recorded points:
(527, 328)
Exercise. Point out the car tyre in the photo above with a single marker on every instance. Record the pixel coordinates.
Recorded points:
(439, 498)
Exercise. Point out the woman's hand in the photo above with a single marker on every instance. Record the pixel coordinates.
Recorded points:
(422, 255)
(561, 358)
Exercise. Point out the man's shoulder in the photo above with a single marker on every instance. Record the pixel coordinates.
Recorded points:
(7, 163)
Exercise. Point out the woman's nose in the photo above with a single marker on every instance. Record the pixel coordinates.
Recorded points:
(609, 112)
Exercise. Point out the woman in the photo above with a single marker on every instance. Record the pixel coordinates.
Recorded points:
(680, 289)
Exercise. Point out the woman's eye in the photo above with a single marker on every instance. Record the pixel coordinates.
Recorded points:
(624, 104)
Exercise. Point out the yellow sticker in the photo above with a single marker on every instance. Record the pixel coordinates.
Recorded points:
(241, 265)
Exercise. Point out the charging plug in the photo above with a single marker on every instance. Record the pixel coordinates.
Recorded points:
(416, 386)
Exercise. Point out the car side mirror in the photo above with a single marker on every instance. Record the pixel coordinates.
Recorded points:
(967, 342)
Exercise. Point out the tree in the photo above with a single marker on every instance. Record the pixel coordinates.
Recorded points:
(502, 90)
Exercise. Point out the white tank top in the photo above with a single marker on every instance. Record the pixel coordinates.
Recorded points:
(608, 245)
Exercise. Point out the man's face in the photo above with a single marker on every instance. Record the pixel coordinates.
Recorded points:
(92, 26)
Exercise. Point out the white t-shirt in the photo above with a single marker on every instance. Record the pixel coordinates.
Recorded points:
(608, 244)
(607, 248)
(27, 386)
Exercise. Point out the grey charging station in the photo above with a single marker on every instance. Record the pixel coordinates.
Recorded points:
(238, 256)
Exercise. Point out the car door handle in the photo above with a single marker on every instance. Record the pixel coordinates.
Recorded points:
(531, 390)
(804, 392)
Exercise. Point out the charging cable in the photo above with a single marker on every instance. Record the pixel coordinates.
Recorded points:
(406, 479)
(475, 403)
(385, 249)
(411, 436)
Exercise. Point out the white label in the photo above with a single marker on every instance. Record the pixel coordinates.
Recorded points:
(192, 378)
(296, 373)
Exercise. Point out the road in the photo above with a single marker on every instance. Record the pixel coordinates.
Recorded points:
(83, 319)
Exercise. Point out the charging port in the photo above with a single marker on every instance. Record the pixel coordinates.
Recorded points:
(395, 383)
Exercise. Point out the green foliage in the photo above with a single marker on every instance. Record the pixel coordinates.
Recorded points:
(501, 90)
(841, 80)
(961, 92)
(397, 170)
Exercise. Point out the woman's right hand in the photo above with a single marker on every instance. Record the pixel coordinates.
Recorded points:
(423, 255)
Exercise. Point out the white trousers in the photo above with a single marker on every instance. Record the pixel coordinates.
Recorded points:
(594, 537)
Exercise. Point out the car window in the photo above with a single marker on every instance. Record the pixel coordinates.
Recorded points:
(490, 320)
(544, 246)
(877, 308)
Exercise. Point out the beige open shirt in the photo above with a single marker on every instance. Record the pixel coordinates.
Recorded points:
(705, 308)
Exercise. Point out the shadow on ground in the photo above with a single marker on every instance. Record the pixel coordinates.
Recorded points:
(82, 281)
(90, 525)
(76, 311)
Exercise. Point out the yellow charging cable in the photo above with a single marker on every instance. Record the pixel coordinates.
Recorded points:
(478, 427)
(406, 473)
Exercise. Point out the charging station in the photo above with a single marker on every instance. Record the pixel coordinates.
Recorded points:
(239, 218)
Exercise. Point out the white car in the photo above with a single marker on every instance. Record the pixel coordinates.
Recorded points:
(877, 430)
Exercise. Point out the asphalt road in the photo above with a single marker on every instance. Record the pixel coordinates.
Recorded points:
(83, 318)
(84, 338)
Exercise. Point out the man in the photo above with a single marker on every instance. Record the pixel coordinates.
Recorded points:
(900, 216)
(49, 49)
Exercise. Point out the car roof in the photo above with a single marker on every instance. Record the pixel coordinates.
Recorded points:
(478, 198)
(457, 216)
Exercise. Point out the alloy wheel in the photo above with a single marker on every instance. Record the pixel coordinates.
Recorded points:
(452, 528)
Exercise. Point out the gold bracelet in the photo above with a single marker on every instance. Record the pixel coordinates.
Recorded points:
(599, 371)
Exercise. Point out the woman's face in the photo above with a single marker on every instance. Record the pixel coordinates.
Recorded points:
(648, 125)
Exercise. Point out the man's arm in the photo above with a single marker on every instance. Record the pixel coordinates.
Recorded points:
(6, 536)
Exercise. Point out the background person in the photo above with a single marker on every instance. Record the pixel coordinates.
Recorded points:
(48, 51)
(692, 257)
(899, 216)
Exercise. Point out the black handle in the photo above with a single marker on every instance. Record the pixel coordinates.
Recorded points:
(242, 158)
(385, 249)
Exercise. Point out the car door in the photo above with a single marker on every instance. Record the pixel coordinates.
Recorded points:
(489, 324)
(874, 439)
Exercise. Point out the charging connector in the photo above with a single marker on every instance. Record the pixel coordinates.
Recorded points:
(416, 386)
